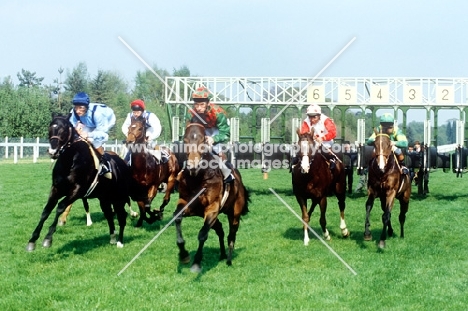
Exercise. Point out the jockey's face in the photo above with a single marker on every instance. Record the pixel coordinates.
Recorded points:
(137, 113)
(80, 110)
(314, 119)
(387, 129)
(200, 107)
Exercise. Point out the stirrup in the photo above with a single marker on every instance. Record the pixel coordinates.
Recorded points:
(105, 171)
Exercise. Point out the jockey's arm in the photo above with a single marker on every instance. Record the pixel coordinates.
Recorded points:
(154, 131)
(331, 130)
(224, 129)
(126, 124)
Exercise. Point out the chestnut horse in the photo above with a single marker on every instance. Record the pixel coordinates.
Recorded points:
(386, 183)
(202, 172)
(148, 173)
(75, 176)
(312, 179)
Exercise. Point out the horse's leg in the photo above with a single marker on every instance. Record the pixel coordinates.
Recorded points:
(305, 217)
(184, 255)
(218, 228)
(211, 216)
(89, 222)
(141, 206)
(369, 205)
(386, 219)
(45, 214)
(404, 205)
(152, 213)
(323, 218)
(60, 208)
(233, 228)
(119, 208)
(106, 208)
(63, 218)
(342, 205)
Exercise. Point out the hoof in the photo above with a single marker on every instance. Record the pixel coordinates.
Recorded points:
(61, 223)
(345, 232)
(31, 246)
(382, 244)
(133, 214)
(120, 245)
(113, 240)
(47, 243)
(229, 262)
(185, 260)
(195, 268)
(367, 237)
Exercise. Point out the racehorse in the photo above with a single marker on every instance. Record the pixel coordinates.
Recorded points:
(202, 174)
(75, 176)
(387, 183)
(312, 179)
(148, 172)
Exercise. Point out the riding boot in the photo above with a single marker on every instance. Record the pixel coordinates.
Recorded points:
(105, 163)
(226, 169)
(401, 162)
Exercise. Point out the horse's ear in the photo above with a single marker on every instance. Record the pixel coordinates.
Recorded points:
(375, 131)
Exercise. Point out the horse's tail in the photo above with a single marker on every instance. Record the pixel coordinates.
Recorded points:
(245, 210)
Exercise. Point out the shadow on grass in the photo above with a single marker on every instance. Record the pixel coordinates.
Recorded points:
(210, 260)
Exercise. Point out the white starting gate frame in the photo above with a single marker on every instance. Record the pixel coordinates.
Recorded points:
(398, 93)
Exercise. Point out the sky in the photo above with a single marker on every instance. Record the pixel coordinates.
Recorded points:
(242, 38)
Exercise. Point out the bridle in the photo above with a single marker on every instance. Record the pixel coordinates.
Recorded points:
(131, 134)
(63, 143)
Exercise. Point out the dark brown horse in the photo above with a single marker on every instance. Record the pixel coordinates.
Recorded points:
(148, 172)
(386, 183)
(202, 172)
(312, 179)
(75, 176)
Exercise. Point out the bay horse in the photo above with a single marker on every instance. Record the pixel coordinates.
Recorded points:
(386, 183)
(312, 179)
(75, 176)
(148, 173)
(202, 172)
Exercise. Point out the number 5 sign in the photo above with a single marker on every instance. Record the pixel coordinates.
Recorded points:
(347, 95)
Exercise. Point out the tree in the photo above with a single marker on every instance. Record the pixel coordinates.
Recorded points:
(28, 79)
(77, 80)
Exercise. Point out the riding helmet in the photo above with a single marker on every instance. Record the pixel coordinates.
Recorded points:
(314, 110)
(201, 94)
(138, 105)
(387, 118)
(81, 99)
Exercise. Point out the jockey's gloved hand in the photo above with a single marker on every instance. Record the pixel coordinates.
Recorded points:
(209, 140)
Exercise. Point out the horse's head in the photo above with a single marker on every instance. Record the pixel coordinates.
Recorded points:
(307, 148)
(60, 134)
(195, 147)
(136, 131)
(382, 149)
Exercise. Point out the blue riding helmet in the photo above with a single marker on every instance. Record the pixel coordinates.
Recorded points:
(81, 99)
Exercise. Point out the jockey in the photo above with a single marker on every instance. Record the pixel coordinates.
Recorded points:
(93, 121)
(324, 130)
(399, 140)
(217, 129)
(153, 125)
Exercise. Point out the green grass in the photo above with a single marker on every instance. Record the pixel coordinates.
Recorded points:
(272, 269)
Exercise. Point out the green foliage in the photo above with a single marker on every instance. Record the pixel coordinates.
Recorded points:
(28, 79)
(272, 269)
(24, 112)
